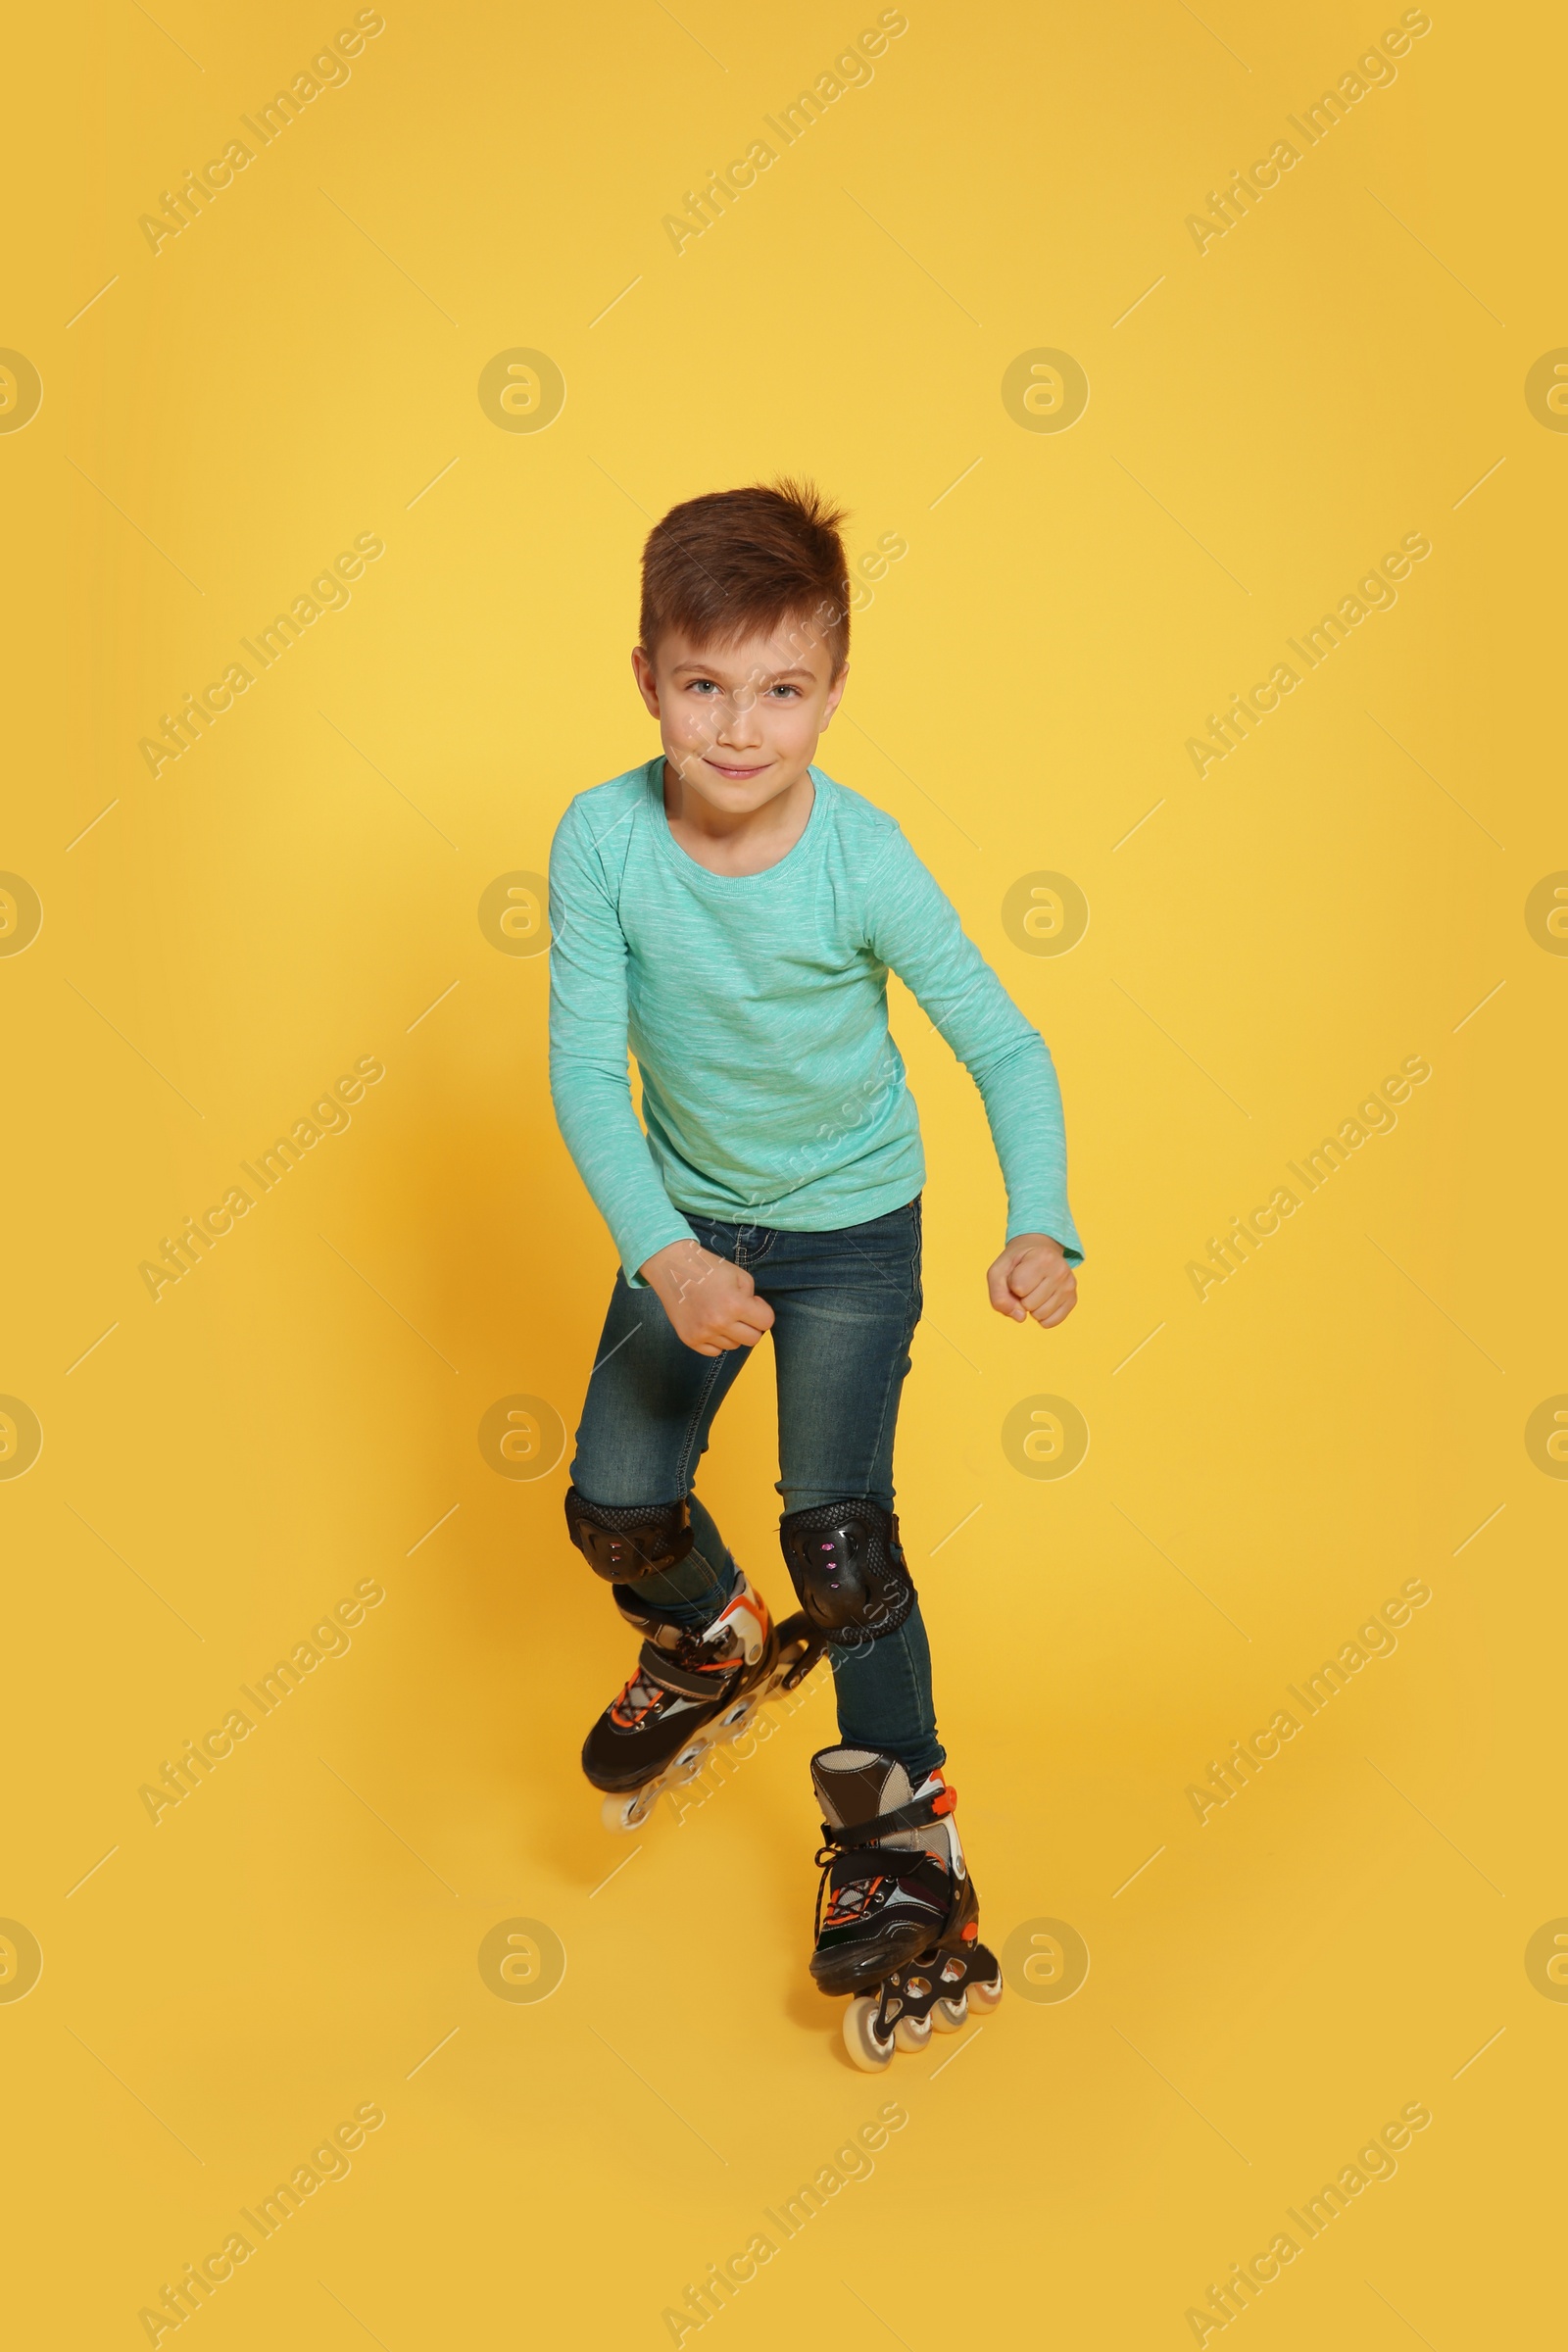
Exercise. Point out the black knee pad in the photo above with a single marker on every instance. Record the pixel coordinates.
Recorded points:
(625, 1540)
(847, 1569)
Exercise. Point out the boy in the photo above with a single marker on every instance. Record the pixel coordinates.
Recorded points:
(733, 913)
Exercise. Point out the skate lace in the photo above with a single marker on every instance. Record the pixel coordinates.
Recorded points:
(853, 1897)
(638, 1698)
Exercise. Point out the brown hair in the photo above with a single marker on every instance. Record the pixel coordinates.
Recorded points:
(733, 563)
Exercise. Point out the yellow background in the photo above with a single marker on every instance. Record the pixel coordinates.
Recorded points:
(294, 893)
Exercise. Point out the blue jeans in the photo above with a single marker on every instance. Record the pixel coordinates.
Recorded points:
(845, 1307)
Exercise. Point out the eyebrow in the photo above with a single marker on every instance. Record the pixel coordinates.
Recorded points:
(708, 669)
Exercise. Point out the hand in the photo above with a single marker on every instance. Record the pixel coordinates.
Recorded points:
(712, 1304)
(1032, 1277)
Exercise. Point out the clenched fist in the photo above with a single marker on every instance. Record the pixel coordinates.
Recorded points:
(712, 1304)
(1032, 1277)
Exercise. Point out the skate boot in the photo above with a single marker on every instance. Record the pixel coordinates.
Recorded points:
(692, 1689)
(897, 1920)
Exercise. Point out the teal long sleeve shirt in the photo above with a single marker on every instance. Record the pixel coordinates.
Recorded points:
(755, 1005)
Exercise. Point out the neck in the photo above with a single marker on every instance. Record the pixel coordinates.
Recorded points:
(737, 841)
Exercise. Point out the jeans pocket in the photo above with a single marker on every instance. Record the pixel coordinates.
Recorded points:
(881, 1259)
(719, 1239)
(895, 1223)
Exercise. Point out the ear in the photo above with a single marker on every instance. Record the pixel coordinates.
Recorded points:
(835, 695)
(647, 683)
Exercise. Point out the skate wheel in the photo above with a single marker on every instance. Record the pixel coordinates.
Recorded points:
(628, 1812)
(688, 1763)
(947, 2017)
(913, 2032)
(986, 1996)
(870, 2053)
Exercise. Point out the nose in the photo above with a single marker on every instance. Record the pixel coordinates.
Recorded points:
(739, 728)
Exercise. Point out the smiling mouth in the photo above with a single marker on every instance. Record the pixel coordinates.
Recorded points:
(737, 775)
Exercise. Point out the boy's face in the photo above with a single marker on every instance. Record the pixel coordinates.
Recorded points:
(741, 726)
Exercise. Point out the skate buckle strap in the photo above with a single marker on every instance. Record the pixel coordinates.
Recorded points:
(917, 1816)
(686, 1682)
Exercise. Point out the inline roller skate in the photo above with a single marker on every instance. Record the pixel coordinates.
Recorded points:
(692, 1688)
(898, 1919)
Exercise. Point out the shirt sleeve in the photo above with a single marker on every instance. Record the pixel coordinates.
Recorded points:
(589, 1081)
(914, 929)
